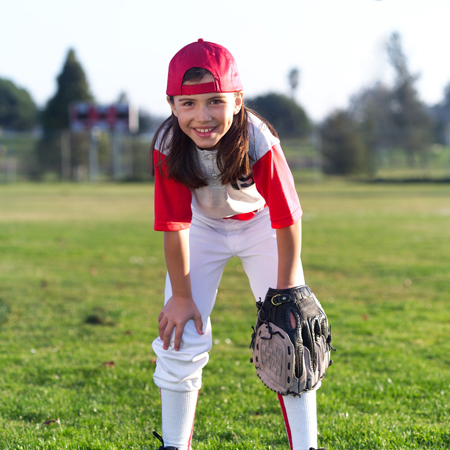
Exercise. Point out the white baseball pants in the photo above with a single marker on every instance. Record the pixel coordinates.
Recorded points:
(212, 243)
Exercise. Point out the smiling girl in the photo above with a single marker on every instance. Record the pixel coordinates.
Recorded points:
(222, 189)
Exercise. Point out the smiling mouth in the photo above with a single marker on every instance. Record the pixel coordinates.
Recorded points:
(204, 130)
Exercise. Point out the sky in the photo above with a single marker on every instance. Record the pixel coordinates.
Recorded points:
(126, 46)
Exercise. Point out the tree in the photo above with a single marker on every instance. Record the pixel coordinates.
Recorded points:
(72, 86)
(148, 123)
(409, 114)
(288, 118)
(441, 116)
(343, 148)
(294, 78)
(371, 111)
(370, 108)
(123, 98)
(17, 108)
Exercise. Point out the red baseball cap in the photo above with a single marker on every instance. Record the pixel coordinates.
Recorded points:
(207, 55)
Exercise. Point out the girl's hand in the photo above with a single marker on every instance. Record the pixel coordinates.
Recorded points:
(175, 314)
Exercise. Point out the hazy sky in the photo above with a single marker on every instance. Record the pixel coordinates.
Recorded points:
(338, 45)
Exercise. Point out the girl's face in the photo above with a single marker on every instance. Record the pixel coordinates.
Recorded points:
(206, 118)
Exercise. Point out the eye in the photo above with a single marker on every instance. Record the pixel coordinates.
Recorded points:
(216, 101)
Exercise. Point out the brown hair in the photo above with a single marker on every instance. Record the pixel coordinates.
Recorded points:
(182, 164)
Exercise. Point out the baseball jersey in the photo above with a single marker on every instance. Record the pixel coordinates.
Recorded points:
(270, 183)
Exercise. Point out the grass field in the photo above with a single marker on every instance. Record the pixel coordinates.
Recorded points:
(81, 283)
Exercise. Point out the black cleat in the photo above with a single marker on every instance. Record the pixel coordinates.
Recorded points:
(162, 442)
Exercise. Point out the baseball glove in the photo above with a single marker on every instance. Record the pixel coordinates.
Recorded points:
(291, 341)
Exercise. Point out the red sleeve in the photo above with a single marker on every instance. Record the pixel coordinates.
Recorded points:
(172, 201)
(274, 181)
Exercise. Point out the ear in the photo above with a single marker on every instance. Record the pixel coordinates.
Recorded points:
(172, 106)
(238, 102)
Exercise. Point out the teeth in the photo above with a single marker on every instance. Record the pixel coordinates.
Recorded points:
(204, 130)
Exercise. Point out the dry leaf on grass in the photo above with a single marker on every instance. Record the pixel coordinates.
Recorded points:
(108, 363)
(51, 422)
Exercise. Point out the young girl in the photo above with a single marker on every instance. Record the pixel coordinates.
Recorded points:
(222, 189)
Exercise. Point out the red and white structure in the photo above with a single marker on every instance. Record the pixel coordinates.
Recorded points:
(118, 117)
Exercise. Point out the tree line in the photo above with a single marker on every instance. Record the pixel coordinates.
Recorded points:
(380, 119)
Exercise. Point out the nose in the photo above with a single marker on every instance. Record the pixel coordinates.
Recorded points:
(203, 114)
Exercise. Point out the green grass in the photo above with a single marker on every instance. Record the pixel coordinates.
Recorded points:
(81, 284)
